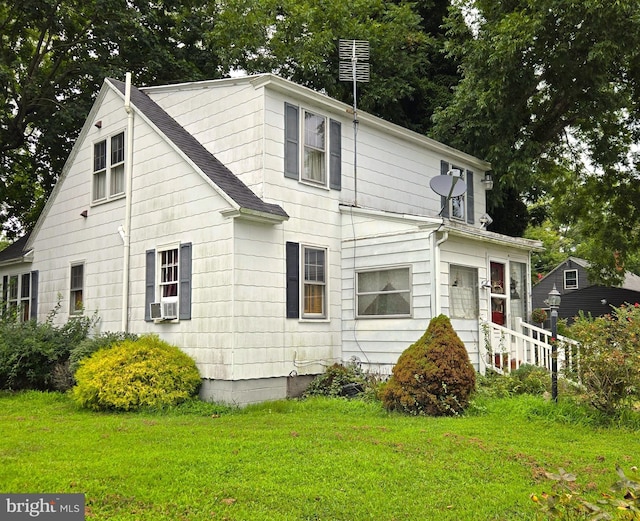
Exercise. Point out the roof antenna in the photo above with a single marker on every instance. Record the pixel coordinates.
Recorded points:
(354, 66)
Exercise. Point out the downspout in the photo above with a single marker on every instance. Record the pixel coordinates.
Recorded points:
(437, 308)
(128, 171)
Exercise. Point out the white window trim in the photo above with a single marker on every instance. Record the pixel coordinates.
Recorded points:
(453, 266)
(72, 311)
(376, 269)
(566, 286)
(158, 279)
(302, 145)
(463, 198)
(108, 169)
(314, 317)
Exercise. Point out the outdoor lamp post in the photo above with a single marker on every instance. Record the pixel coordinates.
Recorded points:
(554, 304)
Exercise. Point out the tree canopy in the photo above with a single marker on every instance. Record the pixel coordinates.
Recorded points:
(546, 90)
(54, 55)
(549, 96)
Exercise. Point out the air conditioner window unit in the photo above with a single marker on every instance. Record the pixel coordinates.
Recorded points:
(164, 310)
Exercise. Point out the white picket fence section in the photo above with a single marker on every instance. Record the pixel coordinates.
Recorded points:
(507, 349)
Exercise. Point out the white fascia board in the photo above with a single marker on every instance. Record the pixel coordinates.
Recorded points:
(293, 90)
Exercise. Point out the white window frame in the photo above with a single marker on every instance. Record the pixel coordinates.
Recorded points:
(308, 282)
(458, 205)
(18, 298)
(306, 148)
(573, 286)
(74, 290)
(381, 292)
(170, 267)
(108, 178)
(466, 314)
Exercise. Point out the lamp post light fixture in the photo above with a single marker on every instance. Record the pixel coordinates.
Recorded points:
(554, 304)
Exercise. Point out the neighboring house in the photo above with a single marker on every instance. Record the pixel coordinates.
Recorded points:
(223, 216)
(571, 279)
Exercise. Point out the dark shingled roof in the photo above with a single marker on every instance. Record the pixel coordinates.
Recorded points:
(226, 180)
(14, 251)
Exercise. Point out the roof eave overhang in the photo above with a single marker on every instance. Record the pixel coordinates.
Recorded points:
(27, 258)
(246, 214)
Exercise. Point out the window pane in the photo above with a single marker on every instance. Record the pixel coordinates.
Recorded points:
(24, 285)
(99, 185)
(169, 273)
(313, 265)
(100, 156)
(13, 287)
(313, 299)
(117, 180)
(117, 149)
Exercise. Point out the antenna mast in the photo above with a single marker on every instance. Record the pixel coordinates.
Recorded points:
(354, 66)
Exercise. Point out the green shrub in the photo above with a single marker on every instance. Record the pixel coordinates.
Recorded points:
(609, 358)
(90, 345)
(531, 379)
(338, 380)
(135, 374)
(433, 376)
(33, 354)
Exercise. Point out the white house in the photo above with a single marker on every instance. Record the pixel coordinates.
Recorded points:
(229, 217)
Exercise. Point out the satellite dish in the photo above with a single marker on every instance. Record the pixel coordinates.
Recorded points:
(448, 185)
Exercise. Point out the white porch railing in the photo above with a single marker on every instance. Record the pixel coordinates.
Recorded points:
(507, 349)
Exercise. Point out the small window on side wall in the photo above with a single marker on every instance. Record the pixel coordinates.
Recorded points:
(76, 305)
(384, 292)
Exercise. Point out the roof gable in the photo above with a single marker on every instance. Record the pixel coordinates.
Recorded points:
(246, 201)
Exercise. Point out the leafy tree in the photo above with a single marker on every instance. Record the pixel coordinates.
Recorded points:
(298, 39)
(551, 87)
(54, 55)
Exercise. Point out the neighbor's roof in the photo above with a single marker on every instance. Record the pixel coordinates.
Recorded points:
(631, 280)
(217, 172)
(16, 251)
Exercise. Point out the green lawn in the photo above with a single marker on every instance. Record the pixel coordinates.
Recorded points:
(319, 459)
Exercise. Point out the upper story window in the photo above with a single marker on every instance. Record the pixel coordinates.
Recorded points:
(460, 207)
(313, 148)
(571, 279)
(108, 168)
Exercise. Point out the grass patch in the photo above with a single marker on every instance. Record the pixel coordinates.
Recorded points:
(318, 459)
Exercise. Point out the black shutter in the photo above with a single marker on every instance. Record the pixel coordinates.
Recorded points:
(5, 293)
(150, 283)
(185, 282)
(291, 136)
(470, 208)
(335, 155)
(33, 307)
(293, 283)
(444, 202)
